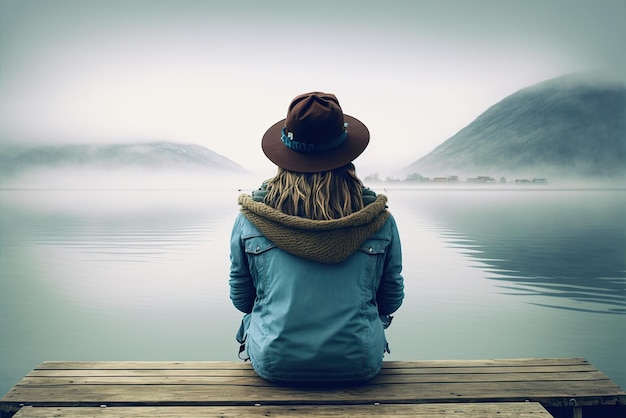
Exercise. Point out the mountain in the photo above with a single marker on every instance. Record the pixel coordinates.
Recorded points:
(155, 155)
(573, 125)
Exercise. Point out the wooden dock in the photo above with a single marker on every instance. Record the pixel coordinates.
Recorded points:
(559, 387)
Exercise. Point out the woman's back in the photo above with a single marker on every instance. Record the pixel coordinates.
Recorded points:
(316, 267)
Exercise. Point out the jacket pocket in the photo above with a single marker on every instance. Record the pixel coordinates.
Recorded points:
(256, 245)
(374, 246)
(257, 249)
(376, 250)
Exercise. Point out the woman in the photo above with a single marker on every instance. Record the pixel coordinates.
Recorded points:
(315, 257)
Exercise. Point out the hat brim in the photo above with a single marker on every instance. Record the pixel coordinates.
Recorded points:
(348, 151)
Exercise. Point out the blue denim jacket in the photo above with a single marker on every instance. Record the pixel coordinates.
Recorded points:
(312, 322)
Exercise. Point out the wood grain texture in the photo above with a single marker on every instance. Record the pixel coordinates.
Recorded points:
(480, 410)
(559, 382)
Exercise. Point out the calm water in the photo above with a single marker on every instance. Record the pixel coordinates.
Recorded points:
(142, 275)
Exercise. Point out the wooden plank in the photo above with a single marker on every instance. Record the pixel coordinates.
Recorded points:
(250, 372)
(186, 379)
(477, 410)
(228, 365)
(142, 365)
(547, 393)
(515, 362)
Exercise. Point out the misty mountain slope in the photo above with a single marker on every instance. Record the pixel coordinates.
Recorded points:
(155, 155)
(570, 125)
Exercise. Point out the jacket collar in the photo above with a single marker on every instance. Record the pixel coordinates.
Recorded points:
(327, 241)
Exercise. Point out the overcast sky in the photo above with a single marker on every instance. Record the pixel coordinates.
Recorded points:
(218, 73)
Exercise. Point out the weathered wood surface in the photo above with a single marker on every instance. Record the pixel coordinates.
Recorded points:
(477, 410)
(551, 382)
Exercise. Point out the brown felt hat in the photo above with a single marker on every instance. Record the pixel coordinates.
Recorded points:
(315, 135)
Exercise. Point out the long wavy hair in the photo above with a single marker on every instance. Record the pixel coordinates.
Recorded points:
(321, 196)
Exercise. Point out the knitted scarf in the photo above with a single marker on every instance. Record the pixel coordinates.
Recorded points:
(330, 241)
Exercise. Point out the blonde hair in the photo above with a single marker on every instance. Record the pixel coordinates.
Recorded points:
(321, 196)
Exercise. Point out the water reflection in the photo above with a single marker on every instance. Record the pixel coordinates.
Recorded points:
(99, 245)
(565, 247)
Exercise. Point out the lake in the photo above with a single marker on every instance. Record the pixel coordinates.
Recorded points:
(490, 272)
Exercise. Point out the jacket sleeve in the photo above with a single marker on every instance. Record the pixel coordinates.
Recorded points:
(390, 293)
(242, 290)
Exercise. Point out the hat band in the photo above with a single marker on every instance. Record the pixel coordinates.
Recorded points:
(306, 147)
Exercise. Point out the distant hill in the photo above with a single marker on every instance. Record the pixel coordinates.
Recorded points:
(155, 155)
(573, 125)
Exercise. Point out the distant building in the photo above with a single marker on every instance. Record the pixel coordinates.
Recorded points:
(533, 181)
(481, 179)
